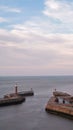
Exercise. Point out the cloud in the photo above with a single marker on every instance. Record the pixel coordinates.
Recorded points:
(39, 46)
(10, 9)
(3, 20)
(36, 47)
(61, 10)
(52, 4)
(32, 53)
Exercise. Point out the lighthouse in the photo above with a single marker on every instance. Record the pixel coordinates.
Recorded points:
(16, 89)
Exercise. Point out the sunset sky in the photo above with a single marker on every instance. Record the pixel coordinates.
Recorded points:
(36, 37)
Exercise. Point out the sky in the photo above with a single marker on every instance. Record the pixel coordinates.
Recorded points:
(36, 37)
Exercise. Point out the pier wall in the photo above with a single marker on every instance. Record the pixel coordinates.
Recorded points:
(59, 109)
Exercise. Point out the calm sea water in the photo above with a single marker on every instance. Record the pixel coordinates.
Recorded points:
(31, 114)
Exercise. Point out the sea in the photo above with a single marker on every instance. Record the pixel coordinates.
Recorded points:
(31, 114)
